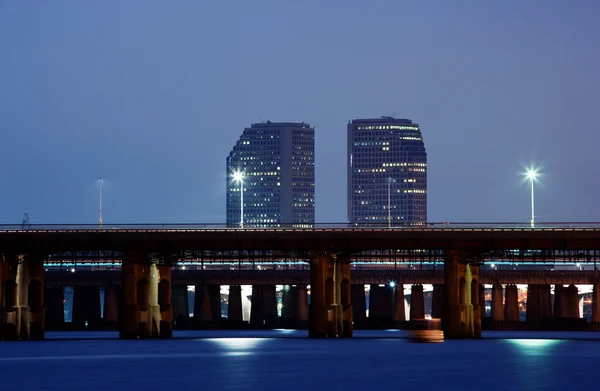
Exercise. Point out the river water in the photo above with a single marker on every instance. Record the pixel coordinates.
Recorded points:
(287, 360)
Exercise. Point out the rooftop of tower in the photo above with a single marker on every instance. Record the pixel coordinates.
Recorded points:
(383, 120)
(269, 124)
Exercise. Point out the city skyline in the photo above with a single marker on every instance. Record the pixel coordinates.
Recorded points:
(89, 91)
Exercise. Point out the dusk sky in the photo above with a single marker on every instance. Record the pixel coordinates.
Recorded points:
(152, 96)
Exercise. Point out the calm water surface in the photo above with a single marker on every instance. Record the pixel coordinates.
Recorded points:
(286, 360)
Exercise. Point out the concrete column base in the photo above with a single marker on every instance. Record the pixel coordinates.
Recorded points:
(330, 310)
(461, 318)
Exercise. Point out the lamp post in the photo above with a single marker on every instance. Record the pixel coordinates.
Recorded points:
(100, 180)
(389, 206)
(531, 175)
(238, 176)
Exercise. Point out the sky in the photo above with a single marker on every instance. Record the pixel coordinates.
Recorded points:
(152, 96)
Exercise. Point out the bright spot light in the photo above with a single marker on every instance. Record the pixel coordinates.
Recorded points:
(73, 270)
(238, 176)
(392, 284)
(578, 265)
(531, 174)
(493, 265)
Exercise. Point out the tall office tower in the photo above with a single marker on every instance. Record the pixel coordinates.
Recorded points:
(387, 172)
(277, 161)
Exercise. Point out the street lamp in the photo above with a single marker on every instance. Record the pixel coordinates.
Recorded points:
(389, 206)
(531, 175)
(238, 176)
(100, 181)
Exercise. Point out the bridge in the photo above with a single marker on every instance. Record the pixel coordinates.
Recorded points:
(150, 251)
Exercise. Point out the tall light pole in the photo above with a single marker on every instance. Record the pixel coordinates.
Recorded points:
(238, 176)
(531, 174)
(389, 202)
(100, 180)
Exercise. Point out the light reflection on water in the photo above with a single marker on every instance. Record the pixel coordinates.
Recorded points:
(534, 346)
(283, 358)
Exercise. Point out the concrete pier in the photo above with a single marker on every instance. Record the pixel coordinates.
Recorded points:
(381, 306)
(462, 319)
(112, 304)
(511, 305)
(399, 307)
(539, 306)
(181, 307)
(359, 305)
(330, 305)
(23, 315)
(234, 309)
(437, 302)
(497, 303)
(417, 302)
(146, 306)
(295, 307)
(207, 306)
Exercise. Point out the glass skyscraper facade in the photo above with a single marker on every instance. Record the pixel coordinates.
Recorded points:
(387, 172)
(277, 161)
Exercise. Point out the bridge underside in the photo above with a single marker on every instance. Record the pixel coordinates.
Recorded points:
(141, 301)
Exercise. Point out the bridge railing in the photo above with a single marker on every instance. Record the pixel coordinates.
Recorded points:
(561, 225)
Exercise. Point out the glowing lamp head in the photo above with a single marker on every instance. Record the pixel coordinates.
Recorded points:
(531, 174)
(392, 284)
(238, 176)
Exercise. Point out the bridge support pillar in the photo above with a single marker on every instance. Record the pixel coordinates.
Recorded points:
(511, 305)
(162, 309)
(330, 310)
(181, 309)
(257, 308)
(112, 300)
(381, 306)
(572, 307)
(10, 320)
(497, 303)
(559, 301)
(417, 302)
(270, 303)
(24, 314)
(86, 308)
(399, 308)
(359, 305)
(207, 306)
(263, 312)
(539, 306)
(596, 303)
(234, 309)
(55, 307)
(302, 305)
(462, 317)
(437, 301)
(295, 307)
(146, 298)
